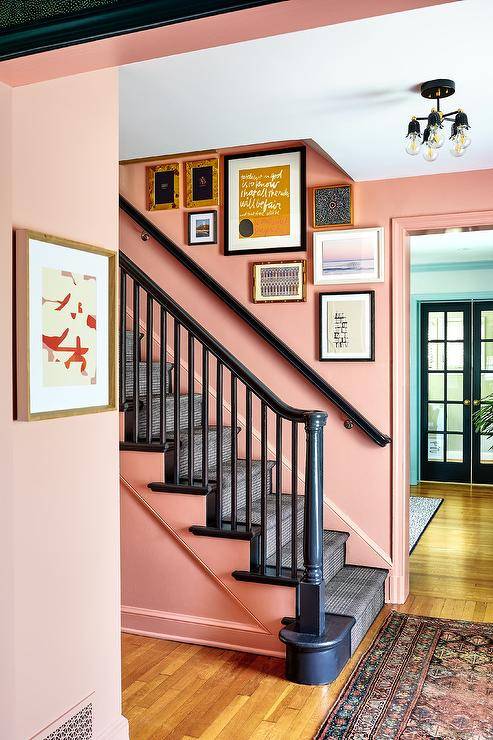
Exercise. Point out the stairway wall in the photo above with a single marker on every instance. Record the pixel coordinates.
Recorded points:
(357, 473)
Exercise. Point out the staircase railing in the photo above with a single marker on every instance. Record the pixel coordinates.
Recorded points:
(244, 492)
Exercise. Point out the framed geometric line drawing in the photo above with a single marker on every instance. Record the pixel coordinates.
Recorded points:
(279, 282)
(348, 256)
(347, 326)
(163, 186)
(333, 206)
(66, 327)
(202, 183)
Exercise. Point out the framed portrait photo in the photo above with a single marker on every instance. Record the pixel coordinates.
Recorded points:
(279, 282)
(66, 327)
(265, 203)
(332, 206)
(348, 256)
(163, 186)
(202, 227)
(347, 326)
(202, 183)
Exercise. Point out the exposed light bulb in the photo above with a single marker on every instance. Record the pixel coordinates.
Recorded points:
(430, 153)
(463, 136)
(457, 150)
(413, 145)
(436, 138)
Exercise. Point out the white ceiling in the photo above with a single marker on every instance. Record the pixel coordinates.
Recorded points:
(350, 87)
(453, 246)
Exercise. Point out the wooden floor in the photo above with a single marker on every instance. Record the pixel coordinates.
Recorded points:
(174, 690)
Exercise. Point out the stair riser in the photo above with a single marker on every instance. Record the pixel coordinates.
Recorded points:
(197, 452)
(170, 418)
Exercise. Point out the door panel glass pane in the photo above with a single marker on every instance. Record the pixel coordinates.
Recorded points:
(436, 386)
(436, 356)
(486, 453)
(455, 325)
(486, 355)
(455, 387)
(455, 356)
(436, 325)
(455, 417)
(486, 384)
(436, 417)
(435, 447)
(486, 324)
(455, 448)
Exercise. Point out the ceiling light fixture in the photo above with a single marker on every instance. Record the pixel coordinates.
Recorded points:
(433, 137)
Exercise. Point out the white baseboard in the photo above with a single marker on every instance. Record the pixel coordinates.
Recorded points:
(116, 731)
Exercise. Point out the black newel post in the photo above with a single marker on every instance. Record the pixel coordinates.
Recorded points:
(312, 586)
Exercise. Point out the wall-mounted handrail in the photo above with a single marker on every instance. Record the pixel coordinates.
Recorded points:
(261, 329)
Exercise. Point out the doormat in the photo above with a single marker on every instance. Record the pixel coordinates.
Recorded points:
(421, 512)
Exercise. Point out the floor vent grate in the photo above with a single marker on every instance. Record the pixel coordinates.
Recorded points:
(77, 726)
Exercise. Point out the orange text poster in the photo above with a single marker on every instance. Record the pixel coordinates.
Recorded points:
(264, 202)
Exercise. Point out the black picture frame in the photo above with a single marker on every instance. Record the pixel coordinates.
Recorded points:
(226, 189)
(194, 214)
(371, 357)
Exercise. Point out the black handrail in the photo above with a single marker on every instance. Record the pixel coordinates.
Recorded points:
(295, 360)
(225, 357)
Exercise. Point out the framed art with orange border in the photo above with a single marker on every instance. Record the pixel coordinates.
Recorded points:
(202, 183)
(65, 327)
(163, 186)
(332, 206)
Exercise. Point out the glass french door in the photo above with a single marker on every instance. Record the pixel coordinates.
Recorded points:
(456, 375)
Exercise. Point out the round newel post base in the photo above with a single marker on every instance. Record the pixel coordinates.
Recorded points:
(317, 659)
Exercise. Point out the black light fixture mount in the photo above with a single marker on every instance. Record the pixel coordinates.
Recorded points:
(433, 138)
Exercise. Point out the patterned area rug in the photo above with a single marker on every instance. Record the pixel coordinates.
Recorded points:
(421, 512)
(421, 678)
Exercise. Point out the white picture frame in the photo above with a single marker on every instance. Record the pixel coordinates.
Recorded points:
(349, 256)
(202, 227)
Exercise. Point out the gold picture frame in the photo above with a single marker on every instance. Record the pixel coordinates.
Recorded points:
(32, 258)
(202, 175)
(283, 281)
(332, 206)
(163, 186)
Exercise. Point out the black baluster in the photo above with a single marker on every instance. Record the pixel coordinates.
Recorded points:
(191, 409)
(294, 499)
(176, 403)
(205, 416)
(135, 360)
(123, 337)
(278, 494)
(219, 443)
(234, 451)
(263, 487)
(149, 348)
(248, 454)
(163, 374)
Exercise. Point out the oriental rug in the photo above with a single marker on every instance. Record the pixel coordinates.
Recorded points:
(421, 678)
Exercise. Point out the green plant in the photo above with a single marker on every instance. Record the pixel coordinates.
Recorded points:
(483, 417)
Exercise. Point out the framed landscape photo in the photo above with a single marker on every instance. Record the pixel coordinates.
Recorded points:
(265, 202)
(348, 256)
(66, 327)
(202, 227)
(332, 206)
(279, 282)
(202, 183)
(347, 326)
(163, 186)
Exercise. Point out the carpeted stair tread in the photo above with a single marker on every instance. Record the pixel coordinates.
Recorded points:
(241, 485)
(197, 447)
(156, 379)
(358, 592)
(169, 414)
(333, 544)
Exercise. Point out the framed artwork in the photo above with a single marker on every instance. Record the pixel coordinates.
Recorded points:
(348, 256)
(347, 326)
(279, 282)
(66, 327)
(202, 188)
(202, 227)
(163, 186)
(333, 206)
(265, 203)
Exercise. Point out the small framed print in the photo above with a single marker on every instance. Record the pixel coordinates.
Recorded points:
(202, 227)
(278, 282)
(163, 186)
(332, 206)
(349, 256)
(347, 326)
(202, 183)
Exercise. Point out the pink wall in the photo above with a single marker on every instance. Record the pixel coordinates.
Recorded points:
(358, 495)
(65, 471)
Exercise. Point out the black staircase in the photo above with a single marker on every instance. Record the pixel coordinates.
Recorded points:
(177, 383)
